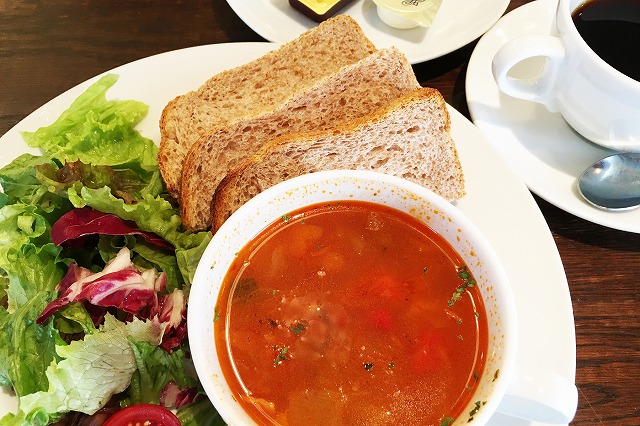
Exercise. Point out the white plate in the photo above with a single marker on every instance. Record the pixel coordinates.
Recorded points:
(457, 23)
(546, 153)
(497, 201)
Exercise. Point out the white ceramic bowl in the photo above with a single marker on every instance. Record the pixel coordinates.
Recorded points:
(440, 215)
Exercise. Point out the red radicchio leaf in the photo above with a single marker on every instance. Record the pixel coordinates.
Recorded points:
(74, 273)
(79, 223)
(172, 396)
(172, 309)
(97, 313)
(119, 284)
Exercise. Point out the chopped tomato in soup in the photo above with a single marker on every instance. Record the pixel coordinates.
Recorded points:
(344, 314)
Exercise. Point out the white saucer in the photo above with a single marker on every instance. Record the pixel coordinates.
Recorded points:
(542, 149)
(457, 23)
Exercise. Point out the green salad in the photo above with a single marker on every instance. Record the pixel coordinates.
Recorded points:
(95, 271)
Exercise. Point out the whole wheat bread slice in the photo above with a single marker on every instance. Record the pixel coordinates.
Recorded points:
(409, 138)
(258, 86)
(354, 91)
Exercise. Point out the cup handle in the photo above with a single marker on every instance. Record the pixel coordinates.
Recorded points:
(540, 396)
(537, 89)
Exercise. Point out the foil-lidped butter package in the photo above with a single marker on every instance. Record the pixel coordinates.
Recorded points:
(318, 10)
(407, 13)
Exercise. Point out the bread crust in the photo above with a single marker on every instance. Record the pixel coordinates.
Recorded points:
(256, 87)
(409, 138)
(354, 91)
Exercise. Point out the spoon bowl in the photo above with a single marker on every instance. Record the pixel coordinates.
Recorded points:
(612, 183)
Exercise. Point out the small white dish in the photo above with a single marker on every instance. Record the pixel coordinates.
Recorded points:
(457, 23)
(542, 149)
(352, 185)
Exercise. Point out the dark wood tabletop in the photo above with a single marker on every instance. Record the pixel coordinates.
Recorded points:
(47, 47)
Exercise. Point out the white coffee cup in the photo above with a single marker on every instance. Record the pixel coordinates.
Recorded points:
(598, 101)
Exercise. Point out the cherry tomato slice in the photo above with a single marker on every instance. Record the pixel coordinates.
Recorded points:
(143, 415)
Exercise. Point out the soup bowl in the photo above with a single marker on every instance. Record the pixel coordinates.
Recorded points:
(348, 185)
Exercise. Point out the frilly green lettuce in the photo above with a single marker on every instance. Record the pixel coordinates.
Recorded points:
(95, 130)
(116, 171)
(94, 369)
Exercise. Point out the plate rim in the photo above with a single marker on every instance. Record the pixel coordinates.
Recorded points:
(479, 83)
(245, 10)
(471, 147)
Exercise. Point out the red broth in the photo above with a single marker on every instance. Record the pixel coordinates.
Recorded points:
(351, 314)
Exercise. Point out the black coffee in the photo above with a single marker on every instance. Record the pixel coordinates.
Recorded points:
(612, 29)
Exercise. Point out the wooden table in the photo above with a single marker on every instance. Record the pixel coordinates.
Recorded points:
(47, 47)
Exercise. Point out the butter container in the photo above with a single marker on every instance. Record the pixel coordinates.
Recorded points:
(406, 14)
(318, 10)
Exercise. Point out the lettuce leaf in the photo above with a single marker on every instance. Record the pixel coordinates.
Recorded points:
(125, 183)
(151, 214)
(156, 368)
(29, 273)
(155, 215)
(92, 156)
(79, 223)
(19, 181)
(98, 131)
(38, 418)
(91, 371)
(27, 348)
(150, 256)
(33, 271)
(20, 224)
(201, 413)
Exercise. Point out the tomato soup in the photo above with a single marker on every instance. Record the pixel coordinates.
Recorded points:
(351, 313)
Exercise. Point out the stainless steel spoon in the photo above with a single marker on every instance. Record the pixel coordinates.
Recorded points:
(612, 183)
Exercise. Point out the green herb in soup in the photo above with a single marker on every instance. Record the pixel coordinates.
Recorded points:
(344, 314)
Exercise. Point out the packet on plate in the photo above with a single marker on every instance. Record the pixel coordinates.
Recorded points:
(318, 10)
(407, 13)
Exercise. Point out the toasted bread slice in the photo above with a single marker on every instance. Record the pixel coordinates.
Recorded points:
(256, 87)
(354, 91)
(409, 138)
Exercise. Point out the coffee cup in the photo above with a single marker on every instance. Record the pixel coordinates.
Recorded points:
(597, 98)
